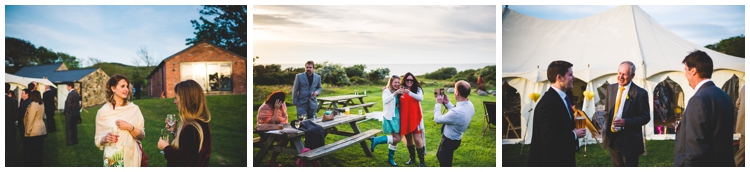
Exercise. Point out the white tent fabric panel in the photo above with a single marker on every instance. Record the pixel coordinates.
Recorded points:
(596, 45)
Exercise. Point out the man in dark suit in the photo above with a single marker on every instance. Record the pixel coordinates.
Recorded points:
(25, 101)
(704, 135)
(72, 115)
(49, 97)
(554, 138)
(305, 91)
(627, 111)
(11, 108)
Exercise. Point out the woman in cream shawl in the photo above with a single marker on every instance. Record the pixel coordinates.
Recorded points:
(119, 126)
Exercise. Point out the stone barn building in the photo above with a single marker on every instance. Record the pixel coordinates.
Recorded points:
(216, 69)
(90, 82)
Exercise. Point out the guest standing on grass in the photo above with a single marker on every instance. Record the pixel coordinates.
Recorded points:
(119, 126)
(192, 143)
(49, 108)
(305, 92)
(35, 131)
(11, 108)
(627, 111)
(25, 101)
(455, 121)
(412, 123)
(72, 114)
(554, 138)
(704, 135)
(391, 119)
(271, 114)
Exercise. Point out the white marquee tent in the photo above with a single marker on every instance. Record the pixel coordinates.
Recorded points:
(596, 45)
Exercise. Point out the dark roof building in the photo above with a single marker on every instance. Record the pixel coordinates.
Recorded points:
(90, 82)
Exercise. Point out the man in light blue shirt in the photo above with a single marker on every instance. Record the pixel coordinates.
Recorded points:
(454, 122)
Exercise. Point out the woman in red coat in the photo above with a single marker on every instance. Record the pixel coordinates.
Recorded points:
(411, 117)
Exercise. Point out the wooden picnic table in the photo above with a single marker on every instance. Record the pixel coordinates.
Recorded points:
(296, 142)
(345, 101)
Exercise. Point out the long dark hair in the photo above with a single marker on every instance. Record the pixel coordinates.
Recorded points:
(35, 96)
(112, 82)
(276, 95)
(415, 84)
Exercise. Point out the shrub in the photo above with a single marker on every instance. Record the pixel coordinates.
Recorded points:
(450, 84)
(442, 73)
(333, 74)
(359, 81)
(377, 75)
(356, 70)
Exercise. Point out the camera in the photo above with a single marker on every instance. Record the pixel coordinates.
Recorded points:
(439, 91)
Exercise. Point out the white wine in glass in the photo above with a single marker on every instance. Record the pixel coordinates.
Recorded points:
(164, 136)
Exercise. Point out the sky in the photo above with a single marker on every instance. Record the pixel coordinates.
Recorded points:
(700, 24)
(107, 33)
(374, 34)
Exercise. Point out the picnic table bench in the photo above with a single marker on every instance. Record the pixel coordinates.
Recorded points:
(345, 100)
(297, 145)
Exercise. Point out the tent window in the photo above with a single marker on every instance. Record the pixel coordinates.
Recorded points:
(511, 110)
(732, 88)
(668, 106)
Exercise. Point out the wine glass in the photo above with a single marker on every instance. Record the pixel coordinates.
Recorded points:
(171, 121)
(164, 136)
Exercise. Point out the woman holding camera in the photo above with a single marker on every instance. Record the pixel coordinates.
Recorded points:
(412, 124)
(391, 121)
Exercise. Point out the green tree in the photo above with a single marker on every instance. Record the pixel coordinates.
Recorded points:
(442, 73)
(356, 70)
(734, 46)
(228, 29)
(18, 54)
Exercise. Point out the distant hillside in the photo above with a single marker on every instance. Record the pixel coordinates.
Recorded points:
(131, 72)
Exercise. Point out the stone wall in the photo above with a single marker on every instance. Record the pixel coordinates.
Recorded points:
(93, 88)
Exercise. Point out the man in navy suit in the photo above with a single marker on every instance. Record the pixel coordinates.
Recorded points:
(554, 139)
(305, 91)
(704, 135)
(627, 111)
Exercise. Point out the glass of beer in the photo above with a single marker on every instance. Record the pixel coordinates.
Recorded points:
(580, 121)
(347, 111)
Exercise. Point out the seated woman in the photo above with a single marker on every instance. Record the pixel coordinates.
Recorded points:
(270, 115)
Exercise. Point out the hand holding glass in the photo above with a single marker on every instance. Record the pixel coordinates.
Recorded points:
(164, 136)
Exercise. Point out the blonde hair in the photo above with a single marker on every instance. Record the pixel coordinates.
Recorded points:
(390, 81)
(192, 107)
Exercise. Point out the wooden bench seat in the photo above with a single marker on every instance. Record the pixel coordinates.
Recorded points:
(338, 145)
(342, 109)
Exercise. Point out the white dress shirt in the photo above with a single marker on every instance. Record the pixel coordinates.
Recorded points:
(456, 120)
(623, 97)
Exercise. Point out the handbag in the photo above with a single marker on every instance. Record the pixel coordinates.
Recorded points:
(328, 116)
(144, 158)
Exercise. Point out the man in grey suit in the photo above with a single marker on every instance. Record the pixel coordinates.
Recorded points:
(305, 91)
(704, 135)
(72, 115)
(627, 111)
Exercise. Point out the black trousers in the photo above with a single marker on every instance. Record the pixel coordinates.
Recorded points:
(620, 160)
(71, 129)
(32, 150)
(51, 127)
(445, 151)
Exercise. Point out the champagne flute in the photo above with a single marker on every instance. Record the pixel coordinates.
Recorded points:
(171, 121)
(164, 136)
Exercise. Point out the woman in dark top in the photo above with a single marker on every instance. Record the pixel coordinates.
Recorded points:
(192, 144)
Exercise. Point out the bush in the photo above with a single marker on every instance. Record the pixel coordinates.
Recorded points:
(356, 70)
(333, 74)
(466, 75)
(442, 73)
(377, 75)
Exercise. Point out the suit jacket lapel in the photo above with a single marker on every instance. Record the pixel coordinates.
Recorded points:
(631, 93)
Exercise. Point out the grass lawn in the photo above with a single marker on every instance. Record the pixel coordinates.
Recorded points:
(475, 150)
(660, 154)
(228, 127)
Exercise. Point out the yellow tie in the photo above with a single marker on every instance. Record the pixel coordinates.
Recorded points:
(617, 106)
